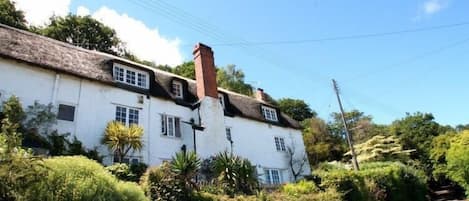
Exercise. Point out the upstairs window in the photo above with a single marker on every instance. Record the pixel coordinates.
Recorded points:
(66, 112)
(221, 98)
(126, 115)
(170, 126)
(130, 76)
(272, 176)
(269, 113)
(228, 134)
(176, 89)
(280, 144)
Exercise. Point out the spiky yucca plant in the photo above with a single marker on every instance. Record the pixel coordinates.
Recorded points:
(121, 139)
(185, 165)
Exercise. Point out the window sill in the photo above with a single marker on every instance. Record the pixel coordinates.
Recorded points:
(170, 137)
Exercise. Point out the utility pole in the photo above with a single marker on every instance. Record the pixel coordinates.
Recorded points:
(349, 138)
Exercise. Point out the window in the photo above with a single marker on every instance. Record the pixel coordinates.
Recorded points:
(221, 98)
(177, 89)
(280, 144)
(130, 76)
(170, 126)
(66, 112)
(272, 176)
(269, 113)
(228, 134)
(126, 115)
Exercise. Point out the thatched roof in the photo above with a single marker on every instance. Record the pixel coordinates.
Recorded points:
(58, 56)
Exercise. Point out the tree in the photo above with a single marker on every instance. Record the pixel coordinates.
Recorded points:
(84, 31)
(458, 160)
(232, 79)
(296, 108)
(360, 125)
(185, 165)
(321, 145)
(416, 131)
(439, 147)
(121, 139)
(186, 69)
(10, 16)
(381, 148)
(296, 161)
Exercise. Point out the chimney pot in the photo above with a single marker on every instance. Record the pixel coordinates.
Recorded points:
(260, 95)
(205, 74)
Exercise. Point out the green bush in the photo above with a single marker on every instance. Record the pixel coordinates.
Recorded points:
(78, 178)
(458, 160)
(160, 183)
(235, 174)
(300, 188)
(378, 181)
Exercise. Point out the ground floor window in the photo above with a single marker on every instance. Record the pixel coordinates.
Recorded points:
(272, 176)
(126, 115)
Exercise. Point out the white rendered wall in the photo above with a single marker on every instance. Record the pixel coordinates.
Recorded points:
(95, 105)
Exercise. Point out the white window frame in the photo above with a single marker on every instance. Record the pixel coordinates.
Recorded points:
(280, 144)
(176, 89)
(126, 117)
(269, 113)
(130, 76)
(270, 177)
(168, 126)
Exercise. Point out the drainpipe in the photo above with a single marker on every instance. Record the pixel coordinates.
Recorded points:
(55, 89)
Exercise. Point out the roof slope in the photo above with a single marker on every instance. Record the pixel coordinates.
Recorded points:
(62, 57)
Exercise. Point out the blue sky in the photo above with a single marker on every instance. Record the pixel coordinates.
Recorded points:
(382, 76)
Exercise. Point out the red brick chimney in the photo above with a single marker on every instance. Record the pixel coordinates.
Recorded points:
(205, 73)
(260, 95)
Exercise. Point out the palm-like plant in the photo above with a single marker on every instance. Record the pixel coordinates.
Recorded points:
(186, 165)
(121, 139)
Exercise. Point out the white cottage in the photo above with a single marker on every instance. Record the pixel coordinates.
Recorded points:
(91, 88)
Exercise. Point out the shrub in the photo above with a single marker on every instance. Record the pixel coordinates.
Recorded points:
(300, 188)
(235, 174)
(458, 160)
(78, 178)
(160, 183)
(377, 181)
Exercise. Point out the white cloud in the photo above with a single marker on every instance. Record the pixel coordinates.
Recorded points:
(146, 43)
(38, 12)
(83, 11)
(430, 7)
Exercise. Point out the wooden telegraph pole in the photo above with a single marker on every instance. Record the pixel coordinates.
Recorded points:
(349, 138)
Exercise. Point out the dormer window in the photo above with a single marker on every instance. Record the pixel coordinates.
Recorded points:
(130, 76)
(177, 89)
(269, 113)
(221, 98)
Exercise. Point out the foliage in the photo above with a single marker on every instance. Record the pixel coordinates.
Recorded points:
(78, 178)
(457, 158)
(296, 108)
(321, 145)
(121, 139)
(120, 170)
(300, 188)
(10, 16)
(40, 118)
(360, 126)
(377, 181)
(160, 183)
(381, 148)
(439, 148)
(416, 131)
(185, 166)
(232, 79)
(84, 31)
(18, 169)
(235, 174)
(186, 69)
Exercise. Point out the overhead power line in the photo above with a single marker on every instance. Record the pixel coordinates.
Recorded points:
(345, 37)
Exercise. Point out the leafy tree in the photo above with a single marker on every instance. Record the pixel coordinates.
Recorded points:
(121, 139)
(462, 127)
(416, 131)
(296, 108)
(381, 148)
(458, 160)
(84, 31)
(232, 79)
(439, 148)
(10, 16)
(360, 125)
(321, 144)
(186, 69)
